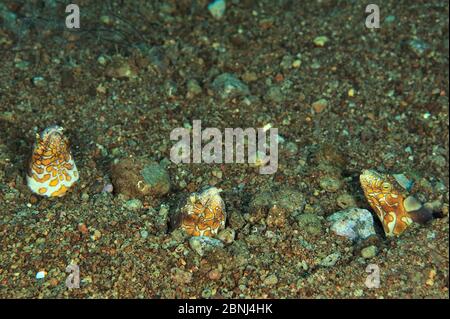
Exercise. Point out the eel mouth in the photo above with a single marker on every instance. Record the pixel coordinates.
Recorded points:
(368, 177)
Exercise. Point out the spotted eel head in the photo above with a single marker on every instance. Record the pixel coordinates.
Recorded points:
(52, 140)
(204, 213)
(374, 182)
(386, 200)
(52, 170)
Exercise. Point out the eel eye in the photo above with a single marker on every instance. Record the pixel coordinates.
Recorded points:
(386, 187)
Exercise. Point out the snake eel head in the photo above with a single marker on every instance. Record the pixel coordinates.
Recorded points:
(52, 170)
(204, 213)
(395, 210)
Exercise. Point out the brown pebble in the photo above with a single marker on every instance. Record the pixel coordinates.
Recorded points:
(53, 282)
(83, 228)
(320, 105)
(214, 274)
(279, 77)
(33, 199)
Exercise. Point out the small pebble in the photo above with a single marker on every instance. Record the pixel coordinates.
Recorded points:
(214, 274)
(320, 105)
(320, 41)
(296, 64)
(353, 223)
(84, 197)
(83, 228)
(330, 260)
(133, 204)
(227, 235)
(193, 88)
(228, 86)
(41, 274)
(345, 201)
(203, 244)
(144, 233)
(369, 252)
(330, 184)
(97, 234)
(108, 188)
(351, 93)
(38, 81)
(217, 8)
(180, 276)
(271, 280)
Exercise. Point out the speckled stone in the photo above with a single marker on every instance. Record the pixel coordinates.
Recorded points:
(353, 223)
(369, 252)
(204, 244)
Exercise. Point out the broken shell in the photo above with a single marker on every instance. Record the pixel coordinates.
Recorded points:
(52, 170)
(203, 214)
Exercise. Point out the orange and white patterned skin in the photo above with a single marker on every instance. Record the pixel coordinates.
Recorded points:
(204, 214)
(52, 170)
(387, 202)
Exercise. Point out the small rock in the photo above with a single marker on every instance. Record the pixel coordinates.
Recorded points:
(369, 252)
(249, 76)
(236, 220)
(133, 204)
(155, 58)
(320, 41)
(204, 244)
(330, 260)
(403, 181)
(102, 60)
(106, 20)
(330, 184)
(286, 62)
(271, 280)
(193, 88)
(345, 201)
(309, 222)
(84, 197)
(207, 293)
(83, 228)
(320, 105)
(170, 88)
(97, 235)
(418, 46)
(227, 235)
(354, 223)
(108, 188)
(274, 94)
(22, 65)
(180, 276)
(214, 274)
(228, 86)
(217, 8)
(134, 177)
(120, 68)
(296, 64)
(41, 274)
(389, 19)
(39, 81)
(144, 233)
(287, 200)
(161, 219)
(276, 217)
